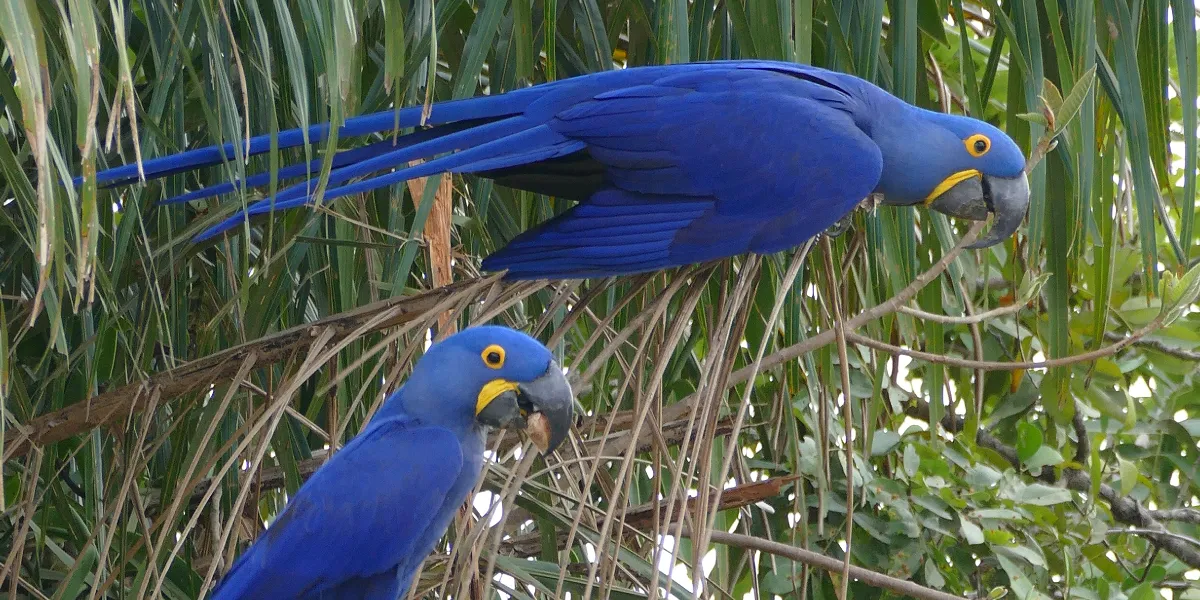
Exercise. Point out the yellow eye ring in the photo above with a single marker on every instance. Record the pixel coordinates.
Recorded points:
(978, 145)
(493, 356)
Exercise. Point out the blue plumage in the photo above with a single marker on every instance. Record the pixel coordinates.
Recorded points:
(671, 165)
(363, 523)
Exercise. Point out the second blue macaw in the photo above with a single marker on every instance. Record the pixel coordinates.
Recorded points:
(670, 165)
(362, 524)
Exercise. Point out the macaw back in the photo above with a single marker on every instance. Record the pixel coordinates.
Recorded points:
(362, 525)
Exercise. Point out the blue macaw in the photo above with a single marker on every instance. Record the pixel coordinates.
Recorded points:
(670, 165)
(362, 524)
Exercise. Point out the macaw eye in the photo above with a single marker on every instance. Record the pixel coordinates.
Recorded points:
(493, 356)
(978, 145)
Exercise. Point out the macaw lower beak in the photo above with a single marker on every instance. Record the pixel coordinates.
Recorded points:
(542, 407)
(973, 198)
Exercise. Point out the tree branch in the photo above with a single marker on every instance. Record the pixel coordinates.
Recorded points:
(673, 433)
(1182, 515)
(641, 516)
(1157, 346)
(828, 336)
(986, 365)
(833, 565)
(965, 320)
(221, 367)
(1124, 508)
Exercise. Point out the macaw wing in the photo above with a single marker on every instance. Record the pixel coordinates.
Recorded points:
(698, 168)
(360, 515)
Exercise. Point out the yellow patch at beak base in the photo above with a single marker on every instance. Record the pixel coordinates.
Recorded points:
(490, 391)
(950, 182)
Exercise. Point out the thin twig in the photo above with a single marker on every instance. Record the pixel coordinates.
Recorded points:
(1182, 515)
(217, 368)
(639, 518)
(785, 355)
(1157, 346)
(1124, 509)
(847, 410)
(1154, 533)
(986, 365)
(964, 320)
(833, 565)
(976, 406)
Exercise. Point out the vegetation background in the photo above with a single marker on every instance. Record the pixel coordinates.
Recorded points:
(1023, 420)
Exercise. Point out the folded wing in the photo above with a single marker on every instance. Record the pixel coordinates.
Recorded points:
(356, 521)
(697, 169)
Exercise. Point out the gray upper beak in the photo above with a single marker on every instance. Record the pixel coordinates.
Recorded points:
(542, 407)
(974, 198)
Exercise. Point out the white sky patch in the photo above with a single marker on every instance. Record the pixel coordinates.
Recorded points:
(911, 424)
(902, 373)
(1171, 15)
(961, 407)
(508, 581)
(709, 562)
(677, 572)
(483, 502)
(1141, 389)
(810, 291)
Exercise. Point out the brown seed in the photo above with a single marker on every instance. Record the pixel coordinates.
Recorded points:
(538, 428)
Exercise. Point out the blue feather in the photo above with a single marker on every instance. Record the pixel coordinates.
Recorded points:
(341, 159)
(356, 517)
(487, 107)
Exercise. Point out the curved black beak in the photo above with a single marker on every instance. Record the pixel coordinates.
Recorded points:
(974, 198)
(542, 408)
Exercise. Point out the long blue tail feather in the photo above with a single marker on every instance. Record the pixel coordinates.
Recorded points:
(476, 156)
(341, 159)
(468, 109)
(404, 153)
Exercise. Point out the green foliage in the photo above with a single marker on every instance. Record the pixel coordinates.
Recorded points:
(1031, 482)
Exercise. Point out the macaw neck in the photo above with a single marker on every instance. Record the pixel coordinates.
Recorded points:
(909, 141)
(431, 407)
